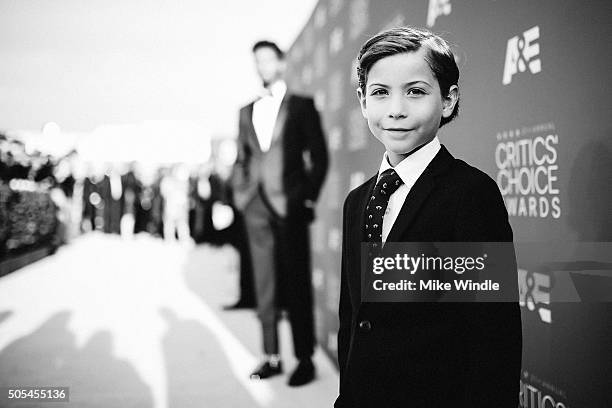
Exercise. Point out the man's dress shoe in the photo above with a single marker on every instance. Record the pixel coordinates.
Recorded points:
(303, 374)
(239, 305)
(266, 370)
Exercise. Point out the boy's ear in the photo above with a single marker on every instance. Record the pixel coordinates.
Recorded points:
(362, 102)
(449, 101)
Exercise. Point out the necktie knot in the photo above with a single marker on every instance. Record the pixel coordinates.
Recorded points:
(387, 184)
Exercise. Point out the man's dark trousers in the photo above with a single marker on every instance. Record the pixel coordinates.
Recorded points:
(280, 250)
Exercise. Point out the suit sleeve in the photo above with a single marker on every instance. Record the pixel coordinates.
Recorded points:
(495, 337)
(239, 170)
(316, 146)
(345, 308)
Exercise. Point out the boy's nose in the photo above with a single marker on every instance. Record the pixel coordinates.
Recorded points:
(397, 109)
(397, 115)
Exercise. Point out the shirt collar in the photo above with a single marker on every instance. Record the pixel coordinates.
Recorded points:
(411, 168)
(277, 89)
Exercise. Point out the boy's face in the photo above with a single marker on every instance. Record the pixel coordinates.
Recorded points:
(269, 66)
(402, 103)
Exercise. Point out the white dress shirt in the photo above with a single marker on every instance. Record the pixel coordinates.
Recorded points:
(265, 111)
(409, 170)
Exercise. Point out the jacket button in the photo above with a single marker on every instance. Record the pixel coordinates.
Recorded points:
(365, 325)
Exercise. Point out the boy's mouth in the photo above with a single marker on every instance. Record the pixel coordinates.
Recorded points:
(397, 129)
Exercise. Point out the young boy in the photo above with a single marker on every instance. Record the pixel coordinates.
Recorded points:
(421, 354)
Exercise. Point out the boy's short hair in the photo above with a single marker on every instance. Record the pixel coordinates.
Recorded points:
(398, 40)
(269, 44)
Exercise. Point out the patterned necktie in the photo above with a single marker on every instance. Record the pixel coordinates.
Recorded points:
(375, 211)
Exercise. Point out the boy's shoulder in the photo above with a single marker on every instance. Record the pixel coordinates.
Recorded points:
(468, 176)
(363, 187)
(359, 191)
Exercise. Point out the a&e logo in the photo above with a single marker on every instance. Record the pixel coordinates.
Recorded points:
(522, 53)
(437, 8)
(534, 293)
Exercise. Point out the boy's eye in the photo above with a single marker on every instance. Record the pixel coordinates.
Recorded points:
(416, 91)
(379, 91)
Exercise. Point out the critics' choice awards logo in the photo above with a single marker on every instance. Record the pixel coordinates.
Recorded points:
(436, 9)
(527, 171)
(522, 53)
(537, 393)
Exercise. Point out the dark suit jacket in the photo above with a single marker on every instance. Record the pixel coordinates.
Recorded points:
(429, 354)
(292, 171)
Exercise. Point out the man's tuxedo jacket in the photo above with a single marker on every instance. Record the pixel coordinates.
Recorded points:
(429, 354)
(292, 171)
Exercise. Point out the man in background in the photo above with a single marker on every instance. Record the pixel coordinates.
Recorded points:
(282, 162)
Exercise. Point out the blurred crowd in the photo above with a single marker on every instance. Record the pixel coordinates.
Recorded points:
(175, 202)
(18, 164)
(46, 200)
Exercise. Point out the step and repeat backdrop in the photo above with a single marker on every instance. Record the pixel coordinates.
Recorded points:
(535, 115)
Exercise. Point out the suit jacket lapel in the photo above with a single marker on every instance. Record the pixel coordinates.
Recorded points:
(251, 129)
(419, 193)
(281, 119)
(356, 235)
(358, 213)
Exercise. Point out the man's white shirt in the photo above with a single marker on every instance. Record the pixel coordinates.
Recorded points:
(409, 170)
(265, 112)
